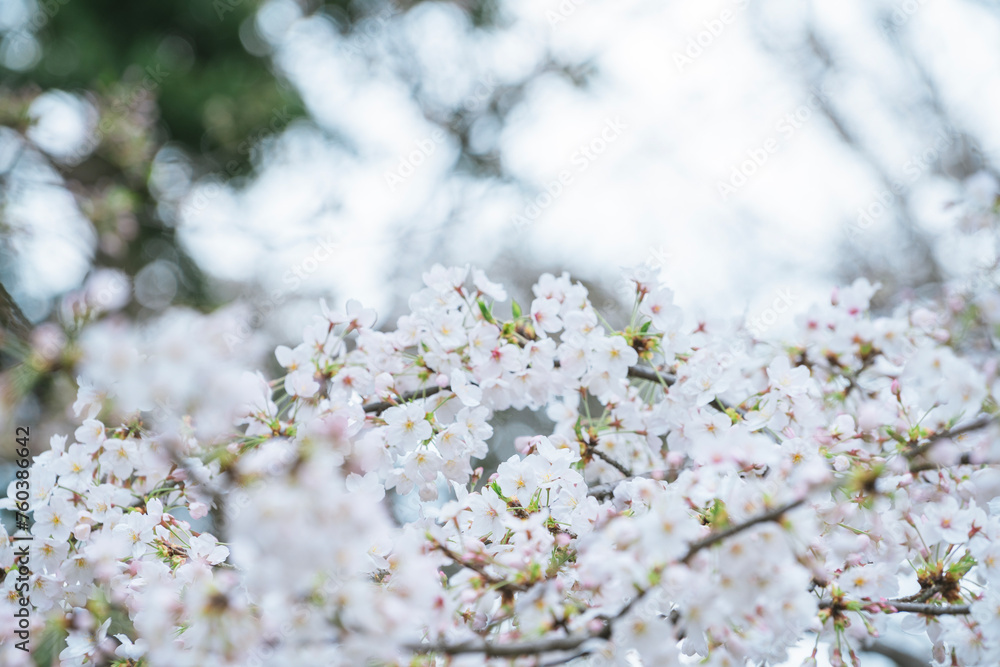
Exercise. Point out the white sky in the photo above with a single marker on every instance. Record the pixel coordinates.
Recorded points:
(653, 193)
(655, 187)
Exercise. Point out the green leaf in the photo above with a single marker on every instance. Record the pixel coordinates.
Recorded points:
(515, 308)
(487, 315)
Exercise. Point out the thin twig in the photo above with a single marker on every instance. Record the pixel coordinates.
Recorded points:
(603, 491)
(923, 447)
(771, 515)
(569, 643)
(382, 406)
(568, 658)
(611, 462)
(532, 647)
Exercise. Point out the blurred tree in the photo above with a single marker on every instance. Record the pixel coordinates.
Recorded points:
(813, 54)
(190, 75)
(206, 62)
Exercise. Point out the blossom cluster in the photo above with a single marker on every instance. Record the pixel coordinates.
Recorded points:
(692, 498)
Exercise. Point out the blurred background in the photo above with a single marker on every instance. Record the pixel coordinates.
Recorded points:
(278, 151)
(205, 153)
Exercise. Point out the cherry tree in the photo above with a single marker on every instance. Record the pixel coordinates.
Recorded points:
(702, 494)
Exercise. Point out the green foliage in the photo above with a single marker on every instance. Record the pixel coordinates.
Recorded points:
(212, 92)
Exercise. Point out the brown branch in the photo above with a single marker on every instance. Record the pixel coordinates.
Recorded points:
(480, 569)
(924, 447)
(11, 317)
(568, 658)
(894, 607)
(920, 596)
(900, 657)
(611, 462)
(929, 609)
(532, 647)
(963, 460)
(649, 374)
(669, 380)
(382, 406)
(569, 643)
(771, 515)
(602, 491)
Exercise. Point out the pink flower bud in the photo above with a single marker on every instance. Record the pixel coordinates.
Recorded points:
(82, 531)
(198, 510)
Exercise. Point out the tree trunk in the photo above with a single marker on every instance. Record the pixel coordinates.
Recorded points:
(13, 323)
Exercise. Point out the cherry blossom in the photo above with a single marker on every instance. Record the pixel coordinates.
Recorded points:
(701, 495)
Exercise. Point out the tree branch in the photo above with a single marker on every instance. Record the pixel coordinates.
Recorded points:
(602, 491)
(533, 647)
(896, 606)
(650, 374)
(11, 317)
(922, 448)
(569, 643)
(382, 406)
(900, 657)
(771, 515)
(611, 462)
(929, 609)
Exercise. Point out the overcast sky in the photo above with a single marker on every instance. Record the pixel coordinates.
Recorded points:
(695, 148)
